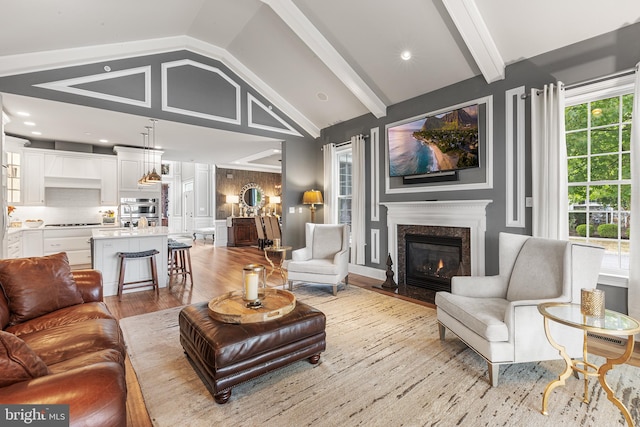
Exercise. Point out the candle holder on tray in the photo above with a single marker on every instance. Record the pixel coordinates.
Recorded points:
(253, 278)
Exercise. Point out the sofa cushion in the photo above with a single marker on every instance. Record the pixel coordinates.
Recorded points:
(64, 316)
(17, 361)
(66, 342)
(88, 359)
(38, 285)
(484, 316)
(538, 272)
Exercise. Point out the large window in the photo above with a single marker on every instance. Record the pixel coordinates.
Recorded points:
(344, 162)
(598, 135)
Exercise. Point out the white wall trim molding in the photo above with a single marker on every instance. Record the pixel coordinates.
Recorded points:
(375, 246)
(515, 157)
(470, 214)
(188, 62)
(287, 128)
(488, 166)
(67, 86)
(374, 135)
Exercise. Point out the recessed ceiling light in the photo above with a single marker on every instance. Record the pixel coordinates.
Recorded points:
(103, 140)
(35, 132)
(596, 112)
(29, 123)
(23, 113)
(406, 55)
(322, 96)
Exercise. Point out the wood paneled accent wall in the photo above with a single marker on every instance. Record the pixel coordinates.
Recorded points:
(231, 181)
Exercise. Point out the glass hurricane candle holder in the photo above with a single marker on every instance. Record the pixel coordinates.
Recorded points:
(253, 278)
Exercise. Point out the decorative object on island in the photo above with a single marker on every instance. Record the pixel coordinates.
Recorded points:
(388, 284)
(275, 200)
(253, 278)
(313, 198)
(232, 199)
(592, 302)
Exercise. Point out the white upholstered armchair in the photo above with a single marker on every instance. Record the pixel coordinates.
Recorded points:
(497, 316)
(324, 259)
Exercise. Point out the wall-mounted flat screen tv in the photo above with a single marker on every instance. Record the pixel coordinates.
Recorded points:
(438, 143)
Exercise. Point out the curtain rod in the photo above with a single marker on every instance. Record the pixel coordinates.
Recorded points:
(600, 79)
(622, 73)
(340, 144)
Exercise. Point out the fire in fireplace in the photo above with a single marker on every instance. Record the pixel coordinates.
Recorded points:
(431, 261)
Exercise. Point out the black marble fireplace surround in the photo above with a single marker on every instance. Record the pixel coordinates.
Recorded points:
(455, 244)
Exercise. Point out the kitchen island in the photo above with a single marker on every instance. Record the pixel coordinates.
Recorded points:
(107, 243)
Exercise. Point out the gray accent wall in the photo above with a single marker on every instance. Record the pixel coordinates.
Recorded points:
(601, 56)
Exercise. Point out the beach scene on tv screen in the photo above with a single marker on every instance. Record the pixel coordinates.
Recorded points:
(443, 142)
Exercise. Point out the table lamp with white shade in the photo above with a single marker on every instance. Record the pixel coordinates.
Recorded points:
(232, 199)
(275, 200)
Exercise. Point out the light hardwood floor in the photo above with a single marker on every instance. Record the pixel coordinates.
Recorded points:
(217, 270)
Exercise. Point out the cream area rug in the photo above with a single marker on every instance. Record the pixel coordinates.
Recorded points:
(384, 366)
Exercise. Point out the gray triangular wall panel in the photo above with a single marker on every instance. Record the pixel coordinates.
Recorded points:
(195, 89)
(262, 117)
(132, 86)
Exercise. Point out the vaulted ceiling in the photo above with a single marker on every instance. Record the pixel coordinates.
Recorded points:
(320, 62)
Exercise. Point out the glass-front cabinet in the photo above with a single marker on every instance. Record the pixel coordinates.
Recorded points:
(14, 177)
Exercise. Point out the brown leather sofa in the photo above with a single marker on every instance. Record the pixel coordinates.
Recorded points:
(59, 344)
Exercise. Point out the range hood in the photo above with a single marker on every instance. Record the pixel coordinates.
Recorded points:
(69, 182)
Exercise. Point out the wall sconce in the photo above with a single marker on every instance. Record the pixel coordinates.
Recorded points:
(275, 200)
(313, 198)
(232, 199)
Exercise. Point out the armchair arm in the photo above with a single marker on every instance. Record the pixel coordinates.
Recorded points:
(302, 254)
(89, 284)
(96, 394)
(479, 286)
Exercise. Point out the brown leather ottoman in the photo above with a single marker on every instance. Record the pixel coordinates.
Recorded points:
(225, 354)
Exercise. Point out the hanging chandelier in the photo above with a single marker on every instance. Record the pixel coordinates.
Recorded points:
(143, 179)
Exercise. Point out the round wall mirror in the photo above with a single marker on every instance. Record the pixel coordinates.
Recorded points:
(252, 198)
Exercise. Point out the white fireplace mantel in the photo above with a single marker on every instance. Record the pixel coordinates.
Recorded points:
(470, 214)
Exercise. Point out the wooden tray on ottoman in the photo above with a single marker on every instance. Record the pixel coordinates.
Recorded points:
(231, 308)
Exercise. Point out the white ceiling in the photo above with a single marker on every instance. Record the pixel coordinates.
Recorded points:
(294, 52)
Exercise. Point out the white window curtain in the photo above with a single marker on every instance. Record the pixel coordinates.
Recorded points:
(549, 163)
(358, 237)
(330, 175)
(633, 297)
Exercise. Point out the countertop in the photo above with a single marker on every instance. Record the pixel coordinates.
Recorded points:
(125, 233)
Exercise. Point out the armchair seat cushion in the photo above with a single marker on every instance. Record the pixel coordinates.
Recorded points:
(313, 266)
(484, 316)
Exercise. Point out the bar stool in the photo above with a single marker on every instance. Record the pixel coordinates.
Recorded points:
(179, 260)
(153, 281)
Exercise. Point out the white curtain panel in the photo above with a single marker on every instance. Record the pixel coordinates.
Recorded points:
(633, 298)
(549, 163)
(358, 236)
(330, 174)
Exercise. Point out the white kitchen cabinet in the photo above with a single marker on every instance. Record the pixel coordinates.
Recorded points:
(14, 245)
(74, 241)
(32, 243)
(202, 194)
(109, 182)
(132, 163)
(33, 178)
